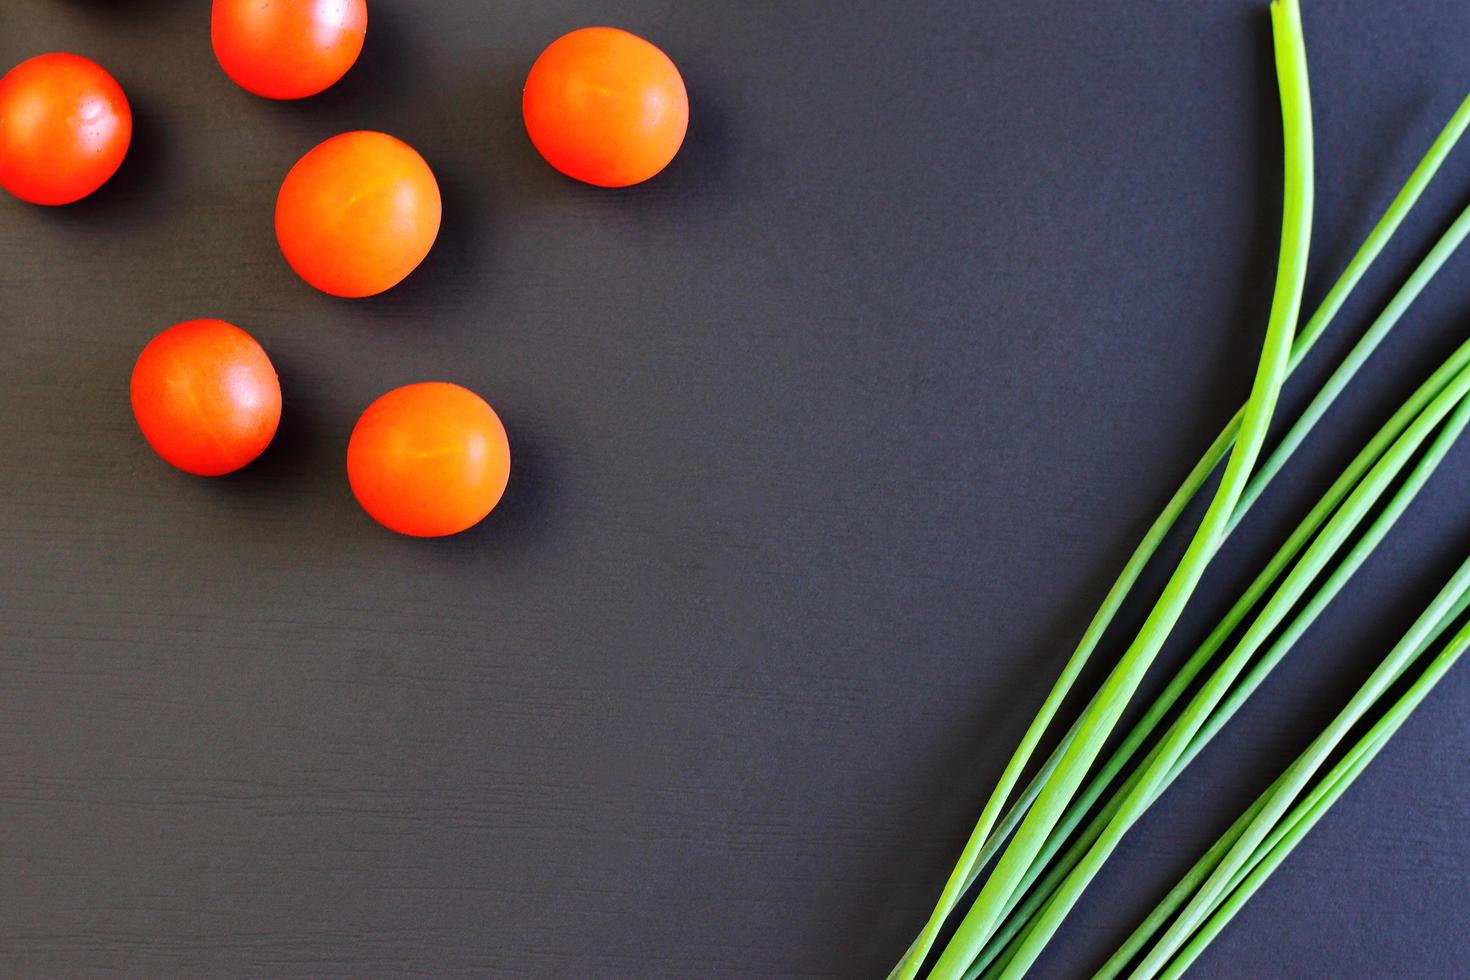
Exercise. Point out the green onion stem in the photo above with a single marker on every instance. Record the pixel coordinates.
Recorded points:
(1301, 771)
(1181, 892)
(1306, 814)
(1116, 691)
(1330, 788)
(1189, 884)
(1329, 502)
(1395, 309)
(987, 837)
(1200, 720)
(1191, 881)
(1448, 243)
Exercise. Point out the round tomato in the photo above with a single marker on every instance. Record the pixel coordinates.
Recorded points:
(357, 214)
(606, 107)
(206, 397)
(65, 126)
(428, 459)
(287, 49)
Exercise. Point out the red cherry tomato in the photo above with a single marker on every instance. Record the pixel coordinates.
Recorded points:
(287, 49)
(606, 107)
(357, 214)
(65, 126)
(206, 397)
(428, 459)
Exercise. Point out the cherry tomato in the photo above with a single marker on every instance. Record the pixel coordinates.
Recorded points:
(206, 397)
(428, 459)
(287, 49)
(65, 126)
(605, 107)
(357, 214)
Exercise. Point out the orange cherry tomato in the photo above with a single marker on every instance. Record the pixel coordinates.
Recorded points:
(65, 126)
(287, 49)
(206, 397)
(605, 107)
(428, 459)
(357, 214)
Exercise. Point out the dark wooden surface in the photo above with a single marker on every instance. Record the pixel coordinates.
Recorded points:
(826, 444)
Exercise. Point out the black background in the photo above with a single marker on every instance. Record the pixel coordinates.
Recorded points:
(826, 444)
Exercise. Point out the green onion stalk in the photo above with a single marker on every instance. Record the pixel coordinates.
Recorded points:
(1266, 858)
(1104, 711)
(1328, 504)
(1237, 858)
(1121, 756)
(1205, 715)
(989, 834)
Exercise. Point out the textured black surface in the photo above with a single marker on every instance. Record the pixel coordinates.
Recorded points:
(826, 444)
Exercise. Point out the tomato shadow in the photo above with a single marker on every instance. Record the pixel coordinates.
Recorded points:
(448, 271)
(371, 82)
(700, 172)
(697, 177)
(131, 195)
(520, 517)
(293, 502)
(298, 449)
(494, 99)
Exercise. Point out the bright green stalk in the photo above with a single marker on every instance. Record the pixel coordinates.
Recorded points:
(1189, 884)
(1181, 892)
(1201, 720)
(1301, 772)
(1448, 243)
(1196, 875)
(1282, 829)
(1103, 714)
(986, 838)
(1306, 814)
(1352, 764)
(1413, 286)
(1196, 663)
(1340, 378)
(1427, 269)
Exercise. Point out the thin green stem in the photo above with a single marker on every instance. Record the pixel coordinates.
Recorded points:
(1301, 772)
(1283, 828)
(1448, 243)
(1190, 882)
(1415, 284)
(1200, 720)
(1305, 815)
(1325, 786)
(1392, 313)
(986, 838)
(1181, 892)
(1345, 483)
(1117, 690)
(999, 835)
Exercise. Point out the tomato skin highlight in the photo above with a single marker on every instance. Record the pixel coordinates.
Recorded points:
(287, 49)
(428, 459)
(206, 397)
(65, 127)
(358, 213)
(605, 107)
